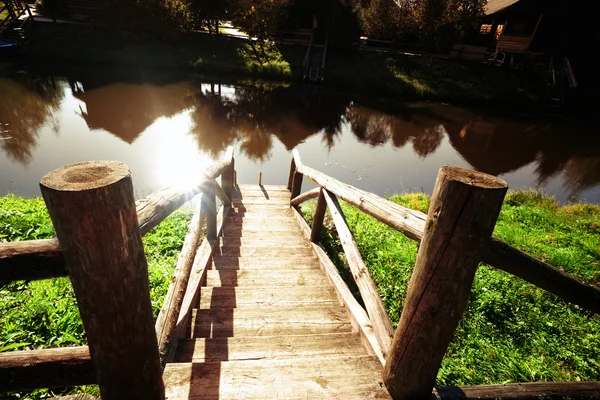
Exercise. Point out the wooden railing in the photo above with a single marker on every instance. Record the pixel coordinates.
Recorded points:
(99, 247)
(454, 237)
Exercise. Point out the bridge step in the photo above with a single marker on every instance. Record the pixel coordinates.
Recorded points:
(269, 321)
(254, 278)
(348, 378)
(239, 297)
(269, 347)
(264, 263)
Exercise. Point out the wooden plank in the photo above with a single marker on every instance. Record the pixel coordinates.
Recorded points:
(497, 254)
(352, 378)
(368, 291)
(48, 368)
(289, 239)
(240, 297)
(294, 278)
(269, 347)
(253, 201)
(465, 205)
(294, 320)
(169, 312)
(92, 208)
(275, 252)
(263, 263)
(268, 188)
(533, 391)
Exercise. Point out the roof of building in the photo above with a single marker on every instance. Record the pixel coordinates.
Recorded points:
(493, 6)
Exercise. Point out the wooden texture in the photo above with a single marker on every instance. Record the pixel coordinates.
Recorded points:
(258, 278)
(48, 368)
(269, 347)
(169, 313)
(318, 218)
(344, 378)
(267, 309)
(533, 391)
(497, 253)
(270, 321)
(209, 205)
(31, 260)
(42, 259)
(358, 316)
(368, 291)
(463, 212)
(291, 177)
(240, 297)
(228, 175)
(311, 194)
(220, 193)
(93, 211)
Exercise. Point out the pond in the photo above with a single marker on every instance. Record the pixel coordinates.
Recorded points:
(168, 130)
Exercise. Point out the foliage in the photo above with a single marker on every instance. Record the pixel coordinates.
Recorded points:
(260, 19)
(432, 22)
(39, 314)
(512, 331)
(154, 18)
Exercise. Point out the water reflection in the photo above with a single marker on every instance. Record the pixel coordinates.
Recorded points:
(258, 119)
(26, 104)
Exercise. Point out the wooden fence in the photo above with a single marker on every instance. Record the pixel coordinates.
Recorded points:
(98, 224)
(454, 237)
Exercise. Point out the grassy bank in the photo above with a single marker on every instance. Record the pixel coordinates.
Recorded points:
(402, 76)
(512, 331)
(41, 314)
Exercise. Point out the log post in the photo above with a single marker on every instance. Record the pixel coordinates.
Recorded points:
(317, 227)
(209, 203)
(227, 178)
(93, 210)
(463, 212)
(292, 172)
(296, 185)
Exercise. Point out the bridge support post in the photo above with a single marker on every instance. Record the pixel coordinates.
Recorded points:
(317, 226)
(209, 203)
(93, 211)
(463, 212)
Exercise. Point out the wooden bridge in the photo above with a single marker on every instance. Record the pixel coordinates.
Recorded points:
(256, 309)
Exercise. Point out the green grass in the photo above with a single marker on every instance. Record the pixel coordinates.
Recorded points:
(39, 314)
(512, 331)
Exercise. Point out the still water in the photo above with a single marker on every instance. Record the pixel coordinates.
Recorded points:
(167, 132)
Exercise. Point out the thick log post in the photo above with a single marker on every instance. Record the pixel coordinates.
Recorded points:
(209, 203)
(93, 211)
(296, 185)
(463, 212)
(315, 234)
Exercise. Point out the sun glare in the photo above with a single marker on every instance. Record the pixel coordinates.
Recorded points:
(177, 160)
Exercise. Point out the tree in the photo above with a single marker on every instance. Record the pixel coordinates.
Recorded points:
(260, 18)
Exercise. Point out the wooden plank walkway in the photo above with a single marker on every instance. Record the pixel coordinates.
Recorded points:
(268, 324)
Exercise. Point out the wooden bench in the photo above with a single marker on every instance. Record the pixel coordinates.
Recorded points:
(468, 52)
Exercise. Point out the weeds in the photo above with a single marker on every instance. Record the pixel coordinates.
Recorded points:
(512, 331)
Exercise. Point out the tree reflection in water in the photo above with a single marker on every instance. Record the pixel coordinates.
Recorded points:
(27, 103)
(254, 116)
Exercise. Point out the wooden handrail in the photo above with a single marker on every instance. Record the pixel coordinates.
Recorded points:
(47, 368)
(368, 290)
(42, 259)
(497, 253)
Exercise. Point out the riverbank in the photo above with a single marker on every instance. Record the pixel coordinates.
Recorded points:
(511, 332)
(404, 77)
